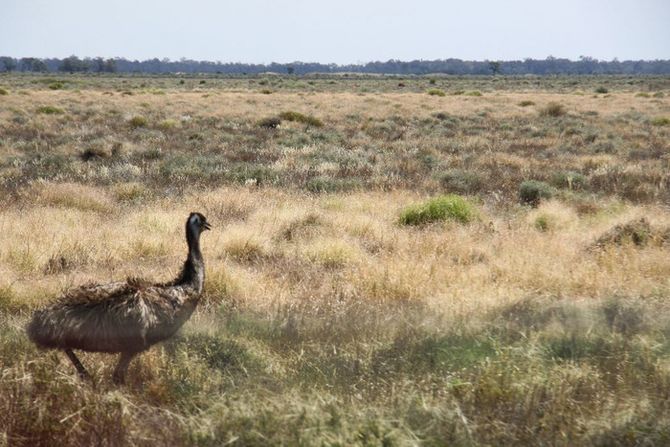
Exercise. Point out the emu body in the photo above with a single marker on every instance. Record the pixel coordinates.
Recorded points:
(125, 317)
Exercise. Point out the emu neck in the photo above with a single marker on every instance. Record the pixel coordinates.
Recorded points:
(193, 272)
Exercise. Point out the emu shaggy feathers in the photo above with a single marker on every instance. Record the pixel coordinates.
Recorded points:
(116, 317)
(124, 317)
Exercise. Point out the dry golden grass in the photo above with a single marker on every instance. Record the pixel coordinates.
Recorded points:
(324, 320)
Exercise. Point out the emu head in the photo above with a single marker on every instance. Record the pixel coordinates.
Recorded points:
(196, 224)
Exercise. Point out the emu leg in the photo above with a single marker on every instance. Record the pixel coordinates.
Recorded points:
(119, 376)
(77, 364)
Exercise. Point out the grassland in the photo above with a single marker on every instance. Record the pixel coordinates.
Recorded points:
(352, 297)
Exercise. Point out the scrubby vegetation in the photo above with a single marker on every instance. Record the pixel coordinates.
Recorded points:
(374, 280)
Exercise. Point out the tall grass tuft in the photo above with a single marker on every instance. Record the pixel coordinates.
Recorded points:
(449, 207)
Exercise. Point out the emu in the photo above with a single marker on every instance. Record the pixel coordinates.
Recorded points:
(126, 317)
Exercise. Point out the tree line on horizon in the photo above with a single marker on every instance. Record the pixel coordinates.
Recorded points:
(549, 66)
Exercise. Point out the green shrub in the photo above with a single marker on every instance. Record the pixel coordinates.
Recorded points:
(553, 109)
(436, 92)
(301, 118)
(50, 110)
(601, 90)
(643, 95)
(532, 192)
(463, 182)
(432, 81)
(474, 93)
(137, 121)
(660, 121)
(58, 85)
(449, 207)
(659, 95)
(569, 179)
(526, 103)
(3, 92)
(266, 91)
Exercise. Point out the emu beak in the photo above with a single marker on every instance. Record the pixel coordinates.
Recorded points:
(207, 226)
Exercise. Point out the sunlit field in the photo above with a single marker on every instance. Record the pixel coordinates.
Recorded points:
(393, 261)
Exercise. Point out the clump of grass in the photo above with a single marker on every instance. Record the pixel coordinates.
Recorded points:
(638, 232)
(301, 118)
(266, 91)
(57, 85)
(137, 122)
(659, 95)
(269, 123)
(130, 192)
(432, 81)
(3, 92)
(450, 207)
(643, 95)
(168, 124)
(473, 93)
(553, 109)
(660, 121)
(526, 103)
(436, 92)
(601, 89)
(50, 110)
(532, 192)
(332, 253)
(71, 195)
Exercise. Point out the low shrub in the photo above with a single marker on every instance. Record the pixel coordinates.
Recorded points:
(3, 92)
(531, 192)
(553, 109)
(601, 90)
(269, 123)
(138, 121)
(473, 93)
(436, 92)
(449, 207)
(301, 118)
(526, 103)
(58, 85)
(463, 182)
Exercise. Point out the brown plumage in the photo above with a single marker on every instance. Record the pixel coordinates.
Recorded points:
(124, 317)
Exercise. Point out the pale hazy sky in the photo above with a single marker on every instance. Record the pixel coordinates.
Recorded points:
(341, 31)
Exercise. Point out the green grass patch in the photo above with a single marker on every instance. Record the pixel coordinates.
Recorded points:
(660, 121)
(449, 207)
(50, 110)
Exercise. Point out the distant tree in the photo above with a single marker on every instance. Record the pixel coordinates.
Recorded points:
(73, 64)
(8, 63)
(290, 70)
(40, 65)
(494, 66)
